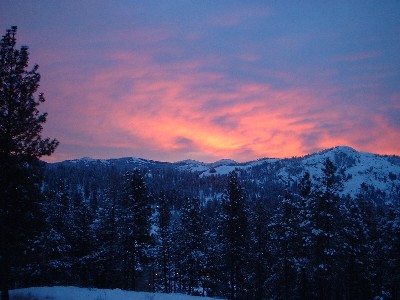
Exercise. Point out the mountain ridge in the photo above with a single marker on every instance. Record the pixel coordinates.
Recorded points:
(354, 168)
(223, 160)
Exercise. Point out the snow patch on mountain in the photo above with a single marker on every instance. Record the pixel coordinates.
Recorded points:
(354, 168)
(190, 165)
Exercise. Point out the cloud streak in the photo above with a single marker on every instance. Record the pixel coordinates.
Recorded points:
(137, 103)
(221, 84)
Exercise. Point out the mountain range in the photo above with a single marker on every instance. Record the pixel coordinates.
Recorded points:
(379, 172)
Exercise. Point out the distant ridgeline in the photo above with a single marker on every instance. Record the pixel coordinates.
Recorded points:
(323, 226)
(264, 178)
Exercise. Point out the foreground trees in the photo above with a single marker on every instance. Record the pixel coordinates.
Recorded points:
(235, 236)
(310, 242)
(21, 144)
(135, 229)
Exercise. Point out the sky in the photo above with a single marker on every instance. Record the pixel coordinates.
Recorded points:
(206, 80)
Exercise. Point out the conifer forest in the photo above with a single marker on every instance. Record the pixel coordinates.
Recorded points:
(148, 230)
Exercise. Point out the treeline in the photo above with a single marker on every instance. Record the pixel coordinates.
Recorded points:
(311, 244)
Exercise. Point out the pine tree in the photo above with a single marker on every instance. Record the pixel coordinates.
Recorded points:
(306, 203)
(235, 235)
(356, 248)
(214, 268)
(373, 243)
(21, 145)
(324, 224)
(108, 243)
(189, 242)
(135, 223)
(81, 239)
(286, 241)
(55, 245)
(164, 243)
(260, 248)
(391, 252)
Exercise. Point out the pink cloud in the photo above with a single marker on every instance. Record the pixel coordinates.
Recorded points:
(138, 105)
(159, 105)
(240, 80)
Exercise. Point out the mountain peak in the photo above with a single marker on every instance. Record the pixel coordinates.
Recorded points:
(338, 149)
(189, 161)
(225, 162)
(354, 168)
(344, 149)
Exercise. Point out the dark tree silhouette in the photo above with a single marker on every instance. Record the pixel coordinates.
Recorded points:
(21, 145)
(235, 234)
(135, 228)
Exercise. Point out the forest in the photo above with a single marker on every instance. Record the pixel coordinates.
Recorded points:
(138, 232)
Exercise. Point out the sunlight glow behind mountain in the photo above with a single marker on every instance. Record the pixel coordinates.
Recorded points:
(209, 80)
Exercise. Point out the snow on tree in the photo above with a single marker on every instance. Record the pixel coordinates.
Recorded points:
(164, 244)
(321, 219)
(189, 245)
(235, 237)
(135, 228)
(21, 144)
(286, 243)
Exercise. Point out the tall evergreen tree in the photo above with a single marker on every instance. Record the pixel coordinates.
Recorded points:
(108, 248)
(391, 252)
(56, 249)
(356, 248)
(324, 225)
(286, 239)
(235, 235)
(260, 248)
(306, 203)
(81, 239)
(164, 243)
(215, 267)
(189, 241)
(21, 145)
(135, 223)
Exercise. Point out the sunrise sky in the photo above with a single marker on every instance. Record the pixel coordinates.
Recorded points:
(205, 80)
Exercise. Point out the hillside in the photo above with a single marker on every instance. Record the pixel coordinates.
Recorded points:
(380, 173)
(189, 226)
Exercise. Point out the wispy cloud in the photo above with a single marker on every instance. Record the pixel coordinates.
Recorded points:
(207, 82)
(137, 103)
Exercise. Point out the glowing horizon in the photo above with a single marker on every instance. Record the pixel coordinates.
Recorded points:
(208, 81)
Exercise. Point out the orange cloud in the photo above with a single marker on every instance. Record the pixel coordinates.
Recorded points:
(171, 111)
(168, 81)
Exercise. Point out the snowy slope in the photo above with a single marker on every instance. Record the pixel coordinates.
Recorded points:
(76, 293)
(225, 166)
(190, 165)
(354, 168)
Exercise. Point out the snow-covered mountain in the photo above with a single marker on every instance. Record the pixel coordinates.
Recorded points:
(354, 168)
(382, 172)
